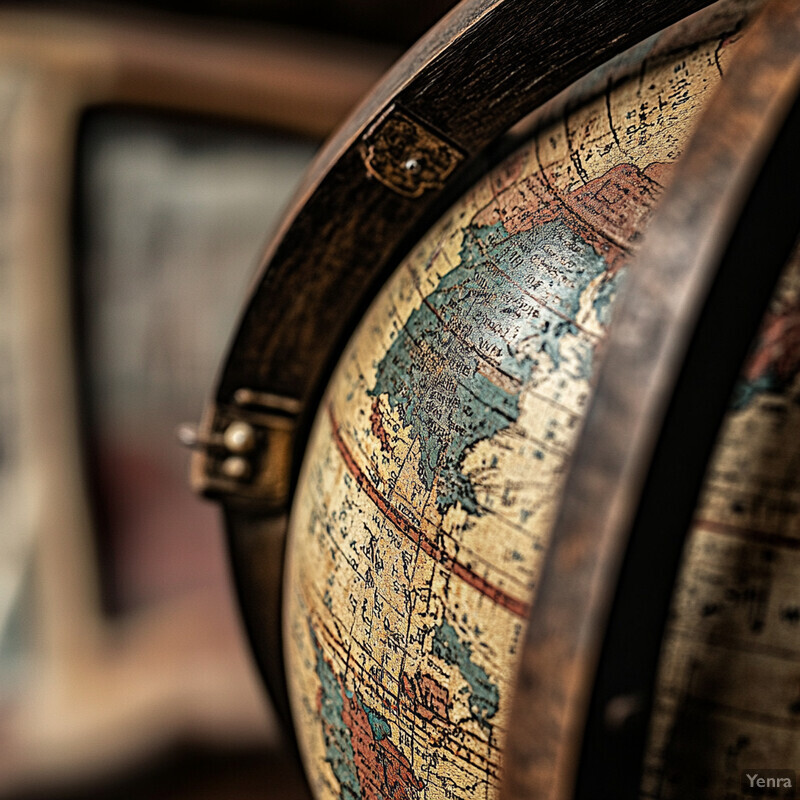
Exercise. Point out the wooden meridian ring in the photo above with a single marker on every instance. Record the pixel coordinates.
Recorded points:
(734, 308)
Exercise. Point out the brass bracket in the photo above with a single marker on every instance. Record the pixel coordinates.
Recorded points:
(243, 450)
(404, 154)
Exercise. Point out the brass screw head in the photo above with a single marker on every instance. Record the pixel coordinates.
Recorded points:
(239, 437)
(235, 467)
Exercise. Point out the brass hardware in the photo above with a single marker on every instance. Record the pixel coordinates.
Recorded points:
(243, 449)
(235, 467)
(404, 154)
(188, 436)
(239, 437)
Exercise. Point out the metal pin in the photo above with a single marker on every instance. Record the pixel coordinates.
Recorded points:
(412, 165)
(188, 436)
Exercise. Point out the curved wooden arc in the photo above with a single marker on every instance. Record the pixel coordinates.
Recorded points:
(670, 282)
(622, 706)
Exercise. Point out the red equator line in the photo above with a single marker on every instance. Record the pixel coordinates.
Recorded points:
(405, 526)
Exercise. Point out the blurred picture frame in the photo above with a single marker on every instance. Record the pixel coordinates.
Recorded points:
(96, 691)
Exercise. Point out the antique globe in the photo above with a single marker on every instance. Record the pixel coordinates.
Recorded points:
(436, 464)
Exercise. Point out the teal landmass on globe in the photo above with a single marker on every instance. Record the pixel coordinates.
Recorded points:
(456, 369)
(484, 699)
(358, 746)
(338, 746)
(773, 363)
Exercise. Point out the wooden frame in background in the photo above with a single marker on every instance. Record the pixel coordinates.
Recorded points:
(100, 691)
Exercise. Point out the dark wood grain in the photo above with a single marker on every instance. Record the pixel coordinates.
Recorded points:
(670, 282)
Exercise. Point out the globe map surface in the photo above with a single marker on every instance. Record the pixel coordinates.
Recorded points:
(438, 456)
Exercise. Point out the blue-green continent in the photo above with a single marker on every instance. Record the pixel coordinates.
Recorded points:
(456, 369)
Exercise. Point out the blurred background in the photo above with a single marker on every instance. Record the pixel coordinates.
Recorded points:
(145, 155)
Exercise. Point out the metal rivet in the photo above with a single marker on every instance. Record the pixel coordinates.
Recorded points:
(235, 467)
(412, 165)
(239, 437)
